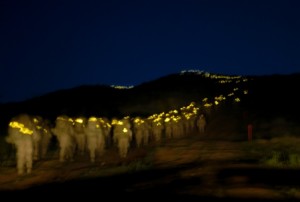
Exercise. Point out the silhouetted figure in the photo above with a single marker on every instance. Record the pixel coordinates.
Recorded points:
(157, 128)
(201, 123)
(138, 128)
(79, 134)
(122, 135)
(95, 138)
(105, 124)
(64, 132)
(45, 137)
(21, 131)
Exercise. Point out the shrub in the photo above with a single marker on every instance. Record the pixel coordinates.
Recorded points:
(283, 159)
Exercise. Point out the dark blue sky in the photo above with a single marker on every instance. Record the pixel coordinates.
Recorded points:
(52, 45)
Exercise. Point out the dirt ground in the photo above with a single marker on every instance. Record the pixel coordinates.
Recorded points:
(186, 169)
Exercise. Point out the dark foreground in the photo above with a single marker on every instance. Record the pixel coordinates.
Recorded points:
(182, 170)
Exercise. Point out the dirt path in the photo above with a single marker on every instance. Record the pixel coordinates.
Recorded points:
(188, 167)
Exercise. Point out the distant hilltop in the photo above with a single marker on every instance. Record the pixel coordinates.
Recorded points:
(262, 95)
(192, 71)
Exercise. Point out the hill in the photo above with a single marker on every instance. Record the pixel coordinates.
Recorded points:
(260, 97)
(220, 164)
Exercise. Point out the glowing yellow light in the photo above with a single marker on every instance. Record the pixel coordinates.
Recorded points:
(167, 119)
(220, 98)
(26, 131)
(94, 119)
(195, 110)
(136, 120)
(216, 102)
(35, 120)
(176, 119)
(114, 121)
(237, 99)
(79, 120)
(187, 116)
(21, 128)
(125, 130)
(121, 87)
(15, 124)
(207, 105)
(157, 119)
(191, 105)
(209, 75)
(152, 116)
(61, 118)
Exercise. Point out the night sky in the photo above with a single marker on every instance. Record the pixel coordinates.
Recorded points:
(53, 45)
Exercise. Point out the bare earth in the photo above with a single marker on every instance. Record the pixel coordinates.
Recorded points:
(186, 169)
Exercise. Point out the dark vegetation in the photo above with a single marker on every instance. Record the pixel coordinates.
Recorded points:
(270, 99)
(271, 105)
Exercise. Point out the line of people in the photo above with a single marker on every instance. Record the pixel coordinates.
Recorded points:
(76, 136)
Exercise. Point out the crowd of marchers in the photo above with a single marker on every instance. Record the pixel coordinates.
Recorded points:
(31, 135)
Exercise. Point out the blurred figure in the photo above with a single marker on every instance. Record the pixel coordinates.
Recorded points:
(64, 132)
(42, 139)
(122, 135)
(79, 134)
(20, 133)
(168, 126)
(95, 138)
(146, 131)
(157, 127)
(46, 137)
(189, 117)
(201, 123)
(138, 128)
(186, 123)
(106, 128)
(177, 127)
(37, 120)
